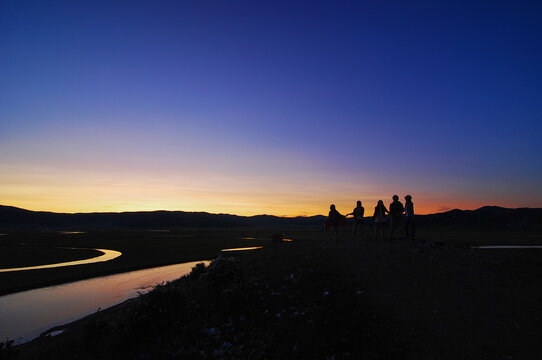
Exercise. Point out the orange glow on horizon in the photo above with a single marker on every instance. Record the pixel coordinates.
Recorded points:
(321, 210)
(126, 190)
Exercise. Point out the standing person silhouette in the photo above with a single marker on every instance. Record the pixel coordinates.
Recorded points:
(379, 218)
(410, 225)
(396, 212)
(334, 219)
(357, 213)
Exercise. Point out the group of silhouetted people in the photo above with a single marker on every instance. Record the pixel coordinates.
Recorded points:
(405, 225)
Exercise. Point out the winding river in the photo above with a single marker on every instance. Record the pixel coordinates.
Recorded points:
(106, 256)
(25, 315)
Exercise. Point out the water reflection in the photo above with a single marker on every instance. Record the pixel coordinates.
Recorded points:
(243, 248)
(55, 333)
(247, 238)
(27, 314)
(106, 256)
(72, 232)
(172, 236)
(508, 247)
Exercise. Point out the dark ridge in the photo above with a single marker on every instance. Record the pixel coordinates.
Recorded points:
(487, 218)
(484, 218)
(12, 218)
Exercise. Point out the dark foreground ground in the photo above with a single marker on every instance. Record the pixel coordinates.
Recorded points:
(313, 299)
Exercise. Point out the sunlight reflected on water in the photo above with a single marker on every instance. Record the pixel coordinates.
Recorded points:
(27, 314)
(175, 236)
(243, 248)
(508, 247)
(106, 256)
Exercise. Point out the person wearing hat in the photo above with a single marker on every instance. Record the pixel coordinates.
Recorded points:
(410, 226)
(396, 212)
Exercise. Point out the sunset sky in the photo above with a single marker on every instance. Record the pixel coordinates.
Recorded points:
(277, 107)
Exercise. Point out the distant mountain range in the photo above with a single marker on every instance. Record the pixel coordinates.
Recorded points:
(488, 217)
(21, 219)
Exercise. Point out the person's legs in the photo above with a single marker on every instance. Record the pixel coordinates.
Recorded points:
(392, 227)
(356, 227)
(379, 229)
(395, 225)
(410, 228)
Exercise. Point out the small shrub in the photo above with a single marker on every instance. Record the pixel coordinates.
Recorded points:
(197, 271)
(224, 272)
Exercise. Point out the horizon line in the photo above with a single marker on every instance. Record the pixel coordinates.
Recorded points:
(221, 213)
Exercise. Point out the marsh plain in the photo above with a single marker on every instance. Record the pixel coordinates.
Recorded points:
(436, 297)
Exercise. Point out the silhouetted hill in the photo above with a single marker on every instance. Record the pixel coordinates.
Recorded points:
(17, 219)
(485, 218)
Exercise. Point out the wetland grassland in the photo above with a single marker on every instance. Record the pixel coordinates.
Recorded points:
(436, 297)
(140, 249)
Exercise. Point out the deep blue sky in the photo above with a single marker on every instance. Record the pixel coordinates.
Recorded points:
(260, 105)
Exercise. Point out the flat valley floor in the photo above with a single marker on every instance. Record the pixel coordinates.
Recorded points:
(435, 298)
